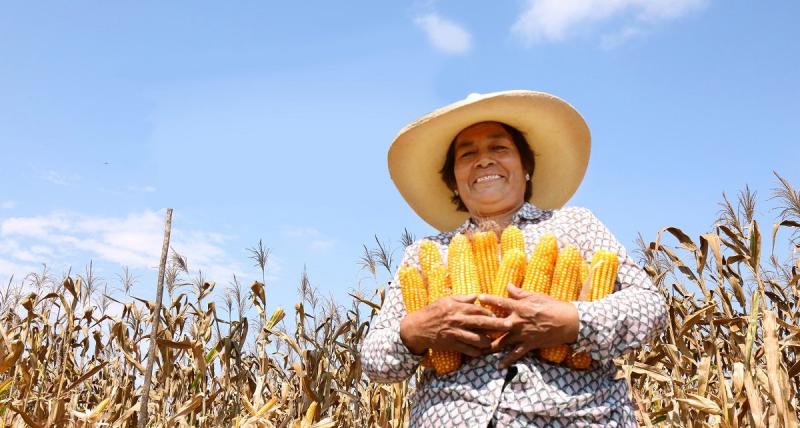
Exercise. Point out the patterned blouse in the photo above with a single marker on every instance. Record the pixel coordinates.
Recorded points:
(531, 392)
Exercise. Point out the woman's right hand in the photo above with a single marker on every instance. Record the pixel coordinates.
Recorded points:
(453, 323)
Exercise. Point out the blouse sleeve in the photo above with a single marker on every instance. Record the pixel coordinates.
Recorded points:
(626, 319)
(384, 356)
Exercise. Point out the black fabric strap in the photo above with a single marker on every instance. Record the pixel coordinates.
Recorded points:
(512, 371)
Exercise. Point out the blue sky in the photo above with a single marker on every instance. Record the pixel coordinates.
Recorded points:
(272, 121)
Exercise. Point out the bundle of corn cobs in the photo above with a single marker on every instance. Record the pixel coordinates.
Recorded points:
(479, 264)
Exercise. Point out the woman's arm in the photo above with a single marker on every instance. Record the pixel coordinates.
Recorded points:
(623, 320)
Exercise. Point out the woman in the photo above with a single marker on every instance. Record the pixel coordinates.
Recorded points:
(511, 158)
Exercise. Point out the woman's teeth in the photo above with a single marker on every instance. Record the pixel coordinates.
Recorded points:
(487, 178)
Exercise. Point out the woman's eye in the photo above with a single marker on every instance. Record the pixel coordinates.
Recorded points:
(467, 154)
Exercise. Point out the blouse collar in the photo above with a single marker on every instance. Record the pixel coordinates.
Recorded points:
(527, 213)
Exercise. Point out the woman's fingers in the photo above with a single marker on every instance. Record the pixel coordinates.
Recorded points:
(466, 342)
(480, 341)
(501, 302)
(461, 305)
(466, 298)
(517, 353)
(484, 322)
(464, 349)
(505, 341)
(472, 309)
(517, 293)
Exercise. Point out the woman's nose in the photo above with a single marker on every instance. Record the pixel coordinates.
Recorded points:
(484, 160)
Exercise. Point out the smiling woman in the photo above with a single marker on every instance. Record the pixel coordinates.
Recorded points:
(468, 167)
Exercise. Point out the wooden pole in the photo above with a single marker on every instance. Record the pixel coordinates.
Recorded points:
(155, 322)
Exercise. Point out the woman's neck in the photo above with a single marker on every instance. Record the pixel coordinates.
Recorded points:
(500, 220)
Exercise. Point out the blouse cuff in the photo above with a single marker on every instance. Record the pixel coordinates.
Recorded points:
(595, 331)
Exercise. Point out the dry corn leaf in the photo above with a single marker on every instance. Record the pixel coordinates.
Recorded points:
(701, 403)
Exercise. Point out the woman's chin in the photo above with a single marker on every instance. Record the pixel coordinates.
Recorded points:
(492, 207)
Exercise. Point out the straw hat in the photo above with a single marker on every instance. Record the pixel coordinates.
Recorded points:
(555, 131)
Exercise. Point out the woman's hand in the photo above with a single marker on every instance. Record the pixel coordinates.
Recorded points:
(453, 323)
(537, 321)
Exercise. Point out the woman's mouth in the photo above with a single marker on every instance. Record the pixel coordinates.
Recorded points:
(487, 178)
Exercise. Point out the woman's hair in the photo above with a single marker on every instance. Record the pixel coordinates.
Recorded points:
(525, 155)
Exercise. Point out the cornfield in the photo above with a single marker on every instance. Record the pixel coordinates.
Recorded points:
(727, 358)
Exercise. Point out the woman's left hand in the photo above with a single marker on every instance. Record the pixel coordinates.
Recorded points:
(537, 321)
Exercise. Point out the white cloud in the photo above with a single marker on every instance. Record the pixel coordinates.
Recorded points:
(59, 178)
(10, 267)
(321, 244)
(610, 41)
(445, 35)
(134, 240)
(37, 227)
(555, 20)
(668, 9)
(142, 189)
(302, 232)
(317, 241)
(8, 205)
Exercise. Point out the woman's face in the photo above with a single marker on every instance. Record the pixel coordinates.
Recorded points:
(488, 170)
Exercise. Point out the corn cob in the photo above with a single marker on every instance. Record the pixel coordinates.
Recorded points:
(437, 283)
(415, 295)
(539, 271)
(565, 288)
(461, 266)
(429, 256)
(511, 269)
(584, 274)
(511, 238)
(484, 250)
(578, 360)
(566, 274)
(511, 266)
(604, 274)
(442, 361)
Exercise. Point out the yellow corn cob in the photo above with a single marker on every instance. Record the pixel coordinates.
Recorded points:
(584, 274)
(555, 354)
(511, 269)
(429, 256)
(511, 266)
(442, 361)
(604, 274)
(565, 288)
(437, 283)
(566, 274)
(461, 266)
(579, 360)
(415, 295)
(511, 238)
(539, 271)
(484, 250)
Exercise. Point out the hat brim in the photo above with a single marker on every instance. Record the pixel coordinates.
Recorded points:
(555, 131)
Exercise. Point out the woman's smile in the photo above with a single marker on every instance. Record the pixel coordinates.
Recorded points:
(488, 178)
